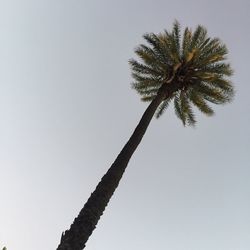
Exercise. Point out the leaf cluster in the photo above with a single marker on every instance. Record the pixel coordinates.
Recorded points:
(198, 64)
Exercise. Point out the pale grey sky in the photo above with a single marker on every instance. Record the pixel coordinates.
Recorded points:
(66, 109)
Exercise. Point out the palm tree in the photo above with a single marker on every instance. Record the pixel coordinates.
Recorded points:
(188, 70)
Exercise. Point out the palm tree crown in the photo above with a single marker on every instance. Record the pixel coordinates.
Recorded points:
(194, 62)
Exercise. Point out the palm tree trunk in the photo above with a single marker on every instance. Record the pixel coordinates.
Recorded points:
(76, 237)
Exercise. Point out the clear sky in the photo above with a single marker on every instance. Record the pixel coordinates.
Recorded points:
(67, 108)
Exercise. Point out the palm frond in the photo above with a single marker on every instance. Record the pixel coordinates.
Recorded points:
(144, 69)
(175, 42)
(217, 68)
(198, 37)
(163, 106)
(157, 46)
(149, 57)
(187, 109)
(200, 103)
(213, 94)
(224, 84)
(187, 38)
(183, 109)
(177, 108)
(144, 81)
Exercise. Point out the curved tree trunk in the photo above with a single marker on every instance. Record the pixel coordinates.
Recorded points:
(84, 224)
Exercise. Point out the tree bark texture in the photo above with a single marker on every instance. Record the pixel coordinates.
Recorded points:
(84, 224)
